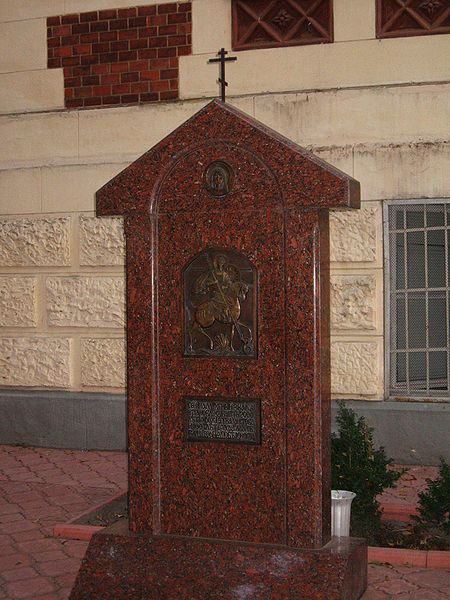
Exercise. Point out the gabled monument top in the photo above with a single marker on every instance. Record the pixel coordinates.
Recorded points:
(282, 172)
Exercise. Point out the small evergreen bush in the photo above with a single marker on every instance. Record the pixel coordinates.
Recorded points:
(358, 467)
(431, 528)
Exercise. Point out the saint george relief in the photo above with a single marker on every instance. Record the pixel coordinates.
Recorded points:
(219, 305)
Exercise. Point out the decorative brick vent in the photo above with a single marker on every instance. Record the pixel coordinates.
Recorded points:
(122, 56)
(275, 23)
(401, 18)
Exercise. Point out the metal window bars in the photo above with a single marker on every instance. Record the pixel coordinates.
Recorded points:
(417, 241)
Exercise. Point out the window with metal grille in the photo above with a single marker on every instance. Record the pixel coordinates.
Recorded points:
(417, 293)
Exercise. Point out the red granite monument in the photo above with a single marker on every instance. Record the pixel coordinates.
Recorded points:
(227, 264)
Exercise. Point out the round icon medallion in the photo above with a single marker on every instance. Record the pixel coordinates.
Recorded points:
(218, 178)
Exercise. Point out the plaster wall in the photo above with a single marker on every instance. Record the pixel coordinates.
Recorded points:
(376, 109)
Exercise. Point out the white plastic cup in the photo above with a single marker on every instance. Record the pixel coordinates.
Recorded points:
(341, 504)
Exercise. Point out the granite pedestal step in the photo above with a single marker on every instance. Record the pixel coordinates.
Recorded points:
(121, 565)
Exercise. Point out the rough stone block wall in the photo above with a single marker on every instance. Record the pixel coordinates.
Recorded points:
(120, 56)
(62, 302)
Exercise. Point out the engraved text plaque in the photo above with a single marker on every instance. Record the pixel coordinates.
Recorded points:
(234, 420)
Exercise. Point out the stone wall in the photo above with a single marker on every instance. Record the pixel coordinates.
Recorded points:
(376, 109)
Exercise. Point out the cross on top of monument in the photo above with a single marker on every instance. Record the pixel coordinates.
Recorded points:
(222, 59)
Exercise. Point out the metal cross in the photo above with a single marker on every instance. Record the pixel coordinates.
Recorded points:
(222, 60)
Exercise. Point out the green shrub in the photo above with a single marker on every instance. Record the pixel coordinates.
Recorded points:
(360, 468)
(431, 528)
(434, 502)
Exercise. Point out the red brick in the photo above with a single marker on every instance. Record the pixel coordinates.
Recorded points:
(70, 40)
(169, 73)
(68, 19)
(100, 69)
(89, 16)
(70, 61)
(160, 63)
(138, 65)
(177, 40)
(138, 22)
(87, 59)
(150, 75)
(167, 8)
(153, 97)
(99, 26)
(146, 32)
(185, 7)
(129, 98)
(128, 55)
(158, 20)
(89, 37)
(94, 101)
(53, 42)
(167, 30)
(147, 10)
(128, 34)
(110, 79)
(68, 93)
(171, 95)
(82, 49)
(177, 18)
(91, 80)
(184, 50)
(108, 36)
(101, 47)
(122, 88)
(53, 21)
(108, 57)
(166, 52)
(129, 77)
(137, 44)
(118, 24)
(107, 14)
(147, 53)
(139, 87)
(122, 45)
(158, 42)
(72, 82)
(62, 52)
(111, 100)
(18, 526)
(159, 86)
(77, 103)
(102, 90)
(125, 13)
(184, 28)
(82, 92)
(63, 30)
(84, 71)
(80, 28)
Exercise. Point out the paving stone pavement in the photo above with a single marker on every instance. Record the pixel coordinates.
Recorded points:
(40, 487)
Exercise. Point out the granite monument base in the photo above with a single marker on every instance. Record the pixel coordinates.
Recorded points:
(122, 565)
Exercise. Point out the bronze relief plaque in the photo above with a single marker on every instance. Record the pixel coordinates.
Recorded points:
(234, 420)
(220, 288)
(218, 178)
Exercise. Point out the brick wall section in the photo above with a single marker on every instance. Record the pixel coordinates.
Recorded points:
(120, 56)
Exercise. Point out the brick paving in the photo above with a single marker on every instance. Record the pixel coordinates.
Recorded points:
(41, 487)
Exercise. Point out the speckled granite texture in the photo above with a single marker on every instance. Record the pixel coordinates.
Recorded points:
(275, 214)
(137, 567)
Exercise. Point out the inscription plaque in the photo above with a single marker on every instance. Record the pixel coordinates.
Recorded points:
(222, 420)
